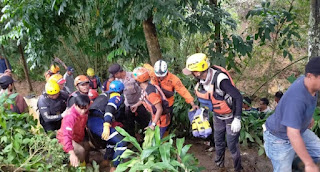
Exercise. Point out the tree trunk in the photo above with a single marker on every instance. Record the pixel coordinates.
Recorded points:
(314, 30)
(25, 68)
(150, 33)
(217, 30)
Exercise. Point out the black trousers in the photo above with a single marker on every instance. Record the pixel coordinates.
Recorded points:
(141, 116)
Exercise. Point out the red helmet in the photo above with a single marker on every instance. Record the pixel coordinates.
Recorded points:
(93, 94)
(80, 79)
(141, 74)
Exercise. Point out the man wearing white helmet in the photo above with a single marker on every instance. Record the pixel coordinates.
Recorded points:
(169, 83)
(216, 91)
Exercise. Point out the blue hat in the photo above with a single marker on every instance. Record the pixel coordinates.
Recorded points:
(70, 69)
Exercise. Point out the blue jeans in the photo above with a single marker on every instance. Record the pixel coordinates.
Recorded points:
(281, 153)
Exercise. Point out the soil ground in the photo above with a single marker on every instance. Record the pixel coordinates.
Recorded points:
(251, 161)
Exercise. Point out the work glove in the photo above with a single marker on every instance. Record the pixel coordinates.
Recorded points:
(236, 125)
(106, 131)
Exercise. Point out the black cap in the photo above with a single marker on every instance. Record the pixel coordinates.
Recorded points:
(313, 66)
(115, 68)
(5, 80)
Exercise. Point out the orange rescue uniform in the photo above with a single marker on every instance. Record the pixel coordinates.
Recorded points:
(169, 84)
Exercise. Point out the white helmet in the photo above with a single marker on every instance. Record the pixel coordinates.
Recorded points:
(160, 68)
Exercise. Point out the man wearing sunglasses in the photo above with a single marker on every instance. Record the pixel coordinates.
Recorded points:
(81, 83)
(72, 131)
(102, 110)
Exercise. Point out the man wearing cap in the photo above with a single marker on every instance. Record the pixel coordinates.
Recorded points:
(20, 105)
(132, 94)
(68, 76)
(287, 130)
(216, 91)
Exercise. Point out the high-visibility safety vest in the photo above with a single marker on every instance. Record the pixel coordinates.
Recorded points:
(210, 99)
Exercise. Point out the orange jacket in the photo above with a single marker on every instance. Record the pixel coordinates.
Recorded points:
(169, 84)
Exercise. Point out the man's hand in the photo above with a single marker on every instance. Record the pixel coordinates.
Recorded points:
(311, 124)
(311, 168)
(65, 113)
(194, 106)
(74, 161)
(106, 131)
(151, 127)
(135, 106)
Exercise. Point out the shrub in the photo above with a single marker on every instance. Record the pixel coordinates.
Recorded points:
(24, 146)
(157, 154)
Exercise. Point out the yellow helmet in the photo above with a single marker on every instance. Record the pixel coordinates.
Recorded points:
(58, 78)
(197, 63)
(52, 88)
(54, 68)
(90, 72)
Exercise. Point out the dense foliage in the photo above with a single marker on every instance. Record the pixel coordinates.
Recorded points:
(23, 145)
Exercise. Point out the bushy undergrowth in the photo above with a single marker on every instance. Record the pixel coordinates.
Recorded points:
(23, 145)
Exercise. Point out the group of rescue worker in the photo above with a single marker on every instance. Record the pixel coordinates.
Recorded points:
(144, 97)
(83, 118)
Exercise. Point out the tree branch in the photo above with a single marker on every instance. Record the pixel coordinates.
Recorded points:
(278, 73)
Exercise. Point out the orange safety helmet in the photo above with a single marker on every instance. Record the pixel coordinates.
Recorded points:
(54, 68)
(80, 79)
(141, 74)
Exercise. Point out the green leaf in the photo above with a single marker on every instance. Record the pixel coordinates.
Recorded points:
(163, 166)
(179, 144)
(124, 166)
(12, 96)
(157, 135)
(4, 139)
(129, 138)
(165, 152)
(185, 149)
(291, 78)
(147, 152)
(261, 151)
(175, 163)
(8, 148)
(148, 138)
(127, 153)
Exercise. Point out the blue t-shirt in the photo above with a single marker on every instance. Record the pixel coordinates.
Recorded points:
(295, 110)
